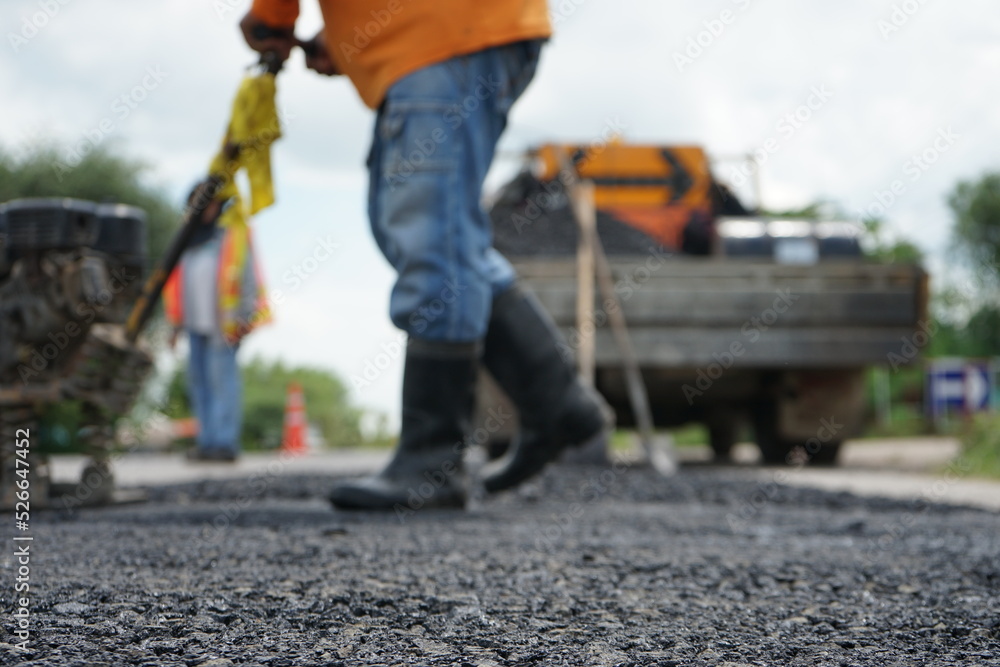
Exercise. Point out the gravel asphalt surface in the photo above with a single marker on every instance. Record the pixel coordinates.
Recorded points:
(586, 566)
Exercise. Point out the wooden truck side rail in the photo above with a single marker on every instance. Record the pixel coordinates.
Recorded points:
(681, 312)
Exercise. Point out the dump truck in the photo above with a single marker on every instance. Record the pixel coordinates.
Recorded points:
(736, 319)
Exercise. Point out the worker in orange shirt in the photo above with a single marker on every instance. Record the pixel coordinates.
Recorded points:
(443, 75)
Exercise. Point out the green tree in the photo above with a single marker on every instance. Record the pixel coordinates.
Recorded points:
(979, 336)
(821, 209)
(976, 206)
(881, 249)
(265, 386)
(971, 313)
(103, 174)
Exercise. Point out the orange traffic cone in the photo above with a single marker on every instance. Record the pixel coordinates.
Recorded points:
(293, 440)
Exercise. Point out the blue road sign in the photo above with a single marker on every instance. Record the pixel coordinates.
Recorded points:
(959, 385)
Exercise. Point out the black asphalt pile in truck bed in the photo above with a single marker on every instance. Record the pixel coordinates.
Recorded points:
(531, 218)
(588, 566)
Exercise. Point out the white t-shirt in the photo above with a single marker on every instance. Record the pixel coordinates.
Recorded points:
(201, 292)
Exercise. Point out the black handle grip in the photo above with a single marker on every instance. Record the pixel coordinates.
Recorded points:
(261, 31)
(309, 48)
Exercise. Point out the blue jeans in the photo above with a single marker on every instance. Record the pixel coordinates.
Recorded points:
(435, 136)
(216, 392)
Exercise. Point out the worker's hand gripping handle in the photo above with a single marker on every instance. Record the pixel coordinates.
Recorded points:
(275, 46)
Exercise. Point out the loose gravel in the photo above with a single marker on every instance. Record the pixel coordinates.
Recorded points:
(586, 566)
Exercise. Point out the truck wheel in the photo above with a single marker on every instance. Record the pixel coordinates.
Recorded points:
(827, 454)
(722, 427)
(773, 450)
(775, 453)
(495, 448)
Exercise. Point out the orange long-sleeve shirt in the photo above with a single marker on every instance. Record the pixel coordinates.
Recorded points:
(376, 42)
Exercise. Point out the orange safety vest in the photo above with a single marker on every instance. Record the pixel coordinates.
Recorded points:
(236, 318)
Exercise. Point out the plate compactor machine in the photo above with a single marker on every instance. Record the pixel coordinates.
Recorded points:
(73, 301)
(70, 271)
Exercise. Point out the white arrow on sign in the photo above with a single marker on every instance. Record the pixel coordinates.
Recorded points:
(977, 388)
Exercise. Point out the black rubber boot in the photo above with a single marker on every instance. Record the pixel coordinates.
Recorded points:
(527, 357)
(426, 470)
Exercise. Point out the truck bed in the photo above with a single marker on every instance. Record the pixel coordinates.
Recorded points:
(685, 312)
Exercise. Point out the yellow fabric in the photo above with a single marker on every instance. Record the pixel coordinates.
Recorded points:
(377, 42)
(253, 127)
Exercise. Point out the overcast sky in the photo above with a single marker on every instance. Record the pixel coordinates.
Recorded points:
(878, 91)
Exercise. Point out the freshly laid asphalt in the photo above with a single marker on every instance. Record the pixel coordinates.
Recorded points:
(732, 565)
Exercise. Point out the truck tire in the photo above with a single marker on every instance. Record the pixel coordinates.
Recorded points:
(497, 447)
(775, 452)
(723, 426)
(827, 454)
(764, 418)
